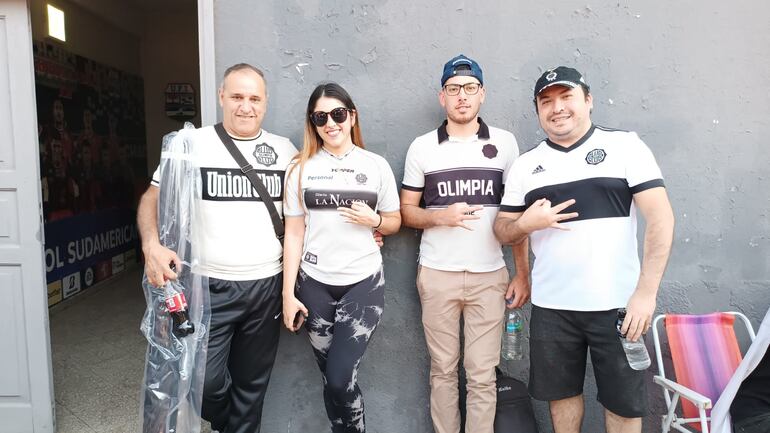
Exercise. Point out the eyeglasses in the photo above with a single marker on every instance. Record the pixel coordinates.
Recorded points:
(469, 88)
(339, 115)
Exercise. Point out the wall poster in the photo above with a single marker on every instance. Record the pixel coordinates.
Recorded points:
(92, 167)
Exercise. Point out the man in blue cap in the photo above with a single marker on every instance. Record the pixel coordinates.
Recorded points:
(458, 170)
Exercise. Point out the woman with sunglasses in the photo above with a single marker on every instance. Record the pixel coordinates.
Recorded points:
(337, 194)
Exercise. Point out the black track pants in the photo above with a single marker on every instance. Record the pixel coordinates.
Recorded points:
(341, 322)
(243, 341)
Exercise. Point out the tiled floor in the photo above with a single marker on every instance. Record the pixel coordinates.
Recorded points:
(98, 358)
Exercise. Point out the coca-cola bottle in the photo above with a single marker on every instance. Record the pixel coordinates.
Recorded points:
(177, 308)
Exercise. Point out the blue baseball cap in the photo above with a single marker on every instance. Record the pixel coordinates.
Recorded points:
(461, 65)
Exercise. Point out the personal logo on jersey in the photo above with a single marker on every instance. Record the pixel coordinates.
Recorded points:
(489, 150)
(538, 169)
(311, 258)
(265, 154)
(595, 156)
(361, 178)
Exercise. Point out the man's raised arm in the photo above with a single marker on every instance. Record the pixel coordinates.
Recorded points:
(455, 215)
(513, 227)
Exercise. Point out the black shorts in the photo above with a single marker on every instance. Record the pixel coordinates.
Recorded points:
(558, 346)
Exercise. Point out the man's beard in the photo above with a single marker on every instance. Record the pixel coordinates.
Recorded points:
(463, 119)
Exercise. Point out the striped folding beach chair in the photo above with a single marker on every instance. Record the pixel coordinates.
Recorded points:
(705, 354)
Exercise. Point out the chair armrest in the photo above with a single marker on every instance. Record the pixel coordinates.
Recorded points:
(698, 399)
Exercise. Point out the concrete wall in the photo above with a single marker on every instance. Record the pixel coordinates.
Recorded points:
(691, 77)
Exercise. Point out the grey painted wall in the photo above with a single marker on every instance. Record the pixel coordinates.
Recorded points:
(692, 77)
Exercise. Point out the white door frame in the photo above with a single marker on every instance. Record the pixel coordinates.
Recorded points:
(26, 379)
(207, 59)
(26, 382)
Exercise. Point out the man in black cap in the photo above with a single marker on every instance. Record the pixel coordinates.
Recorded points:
(586, 266)
(458, 169)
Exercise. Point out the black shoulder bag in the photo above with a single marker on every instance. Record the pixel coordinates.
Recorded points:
(248, 170)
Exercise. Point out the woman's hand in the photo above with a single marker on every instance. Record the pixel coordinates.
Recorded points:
(292, 306)
(360, 213)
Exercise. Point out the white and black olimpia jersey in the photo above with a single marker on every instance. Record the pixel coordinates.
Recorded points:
(448, 170)
(233, 235)
(336, 252)
(593, 266)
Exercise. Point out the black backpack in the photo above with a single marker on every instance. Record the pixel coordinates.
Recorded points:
(514, 412)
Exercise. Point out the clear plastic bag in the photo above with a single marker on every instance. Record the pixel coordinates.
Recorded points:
(176, 321)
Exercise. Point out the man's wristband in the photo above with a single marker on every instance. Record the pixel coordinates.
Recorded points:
(378, 225)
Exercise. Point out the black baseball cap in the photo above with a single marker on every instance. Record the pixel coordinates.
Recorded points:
(461, 65)
(560, 76)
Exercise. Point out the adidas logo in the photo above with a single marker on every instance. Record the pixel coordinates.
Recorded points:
(538, 169)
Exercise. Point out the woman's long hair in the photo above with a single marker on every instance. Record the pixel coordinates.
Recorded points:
(312, 142)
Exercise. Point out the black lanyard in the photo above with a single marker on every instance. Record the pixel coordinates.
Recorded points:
(248, 170)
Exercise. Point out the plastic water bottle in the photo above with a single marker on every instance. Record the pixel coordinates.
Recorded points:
(513, 335)
(636, 351)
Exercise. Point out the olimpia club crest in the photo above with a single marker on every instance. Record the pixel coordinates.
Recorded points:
(265, 154)
(489, 150)
(595, 156)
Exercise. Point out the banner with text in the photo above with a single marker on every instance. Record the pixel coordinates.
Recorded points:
(83, 250)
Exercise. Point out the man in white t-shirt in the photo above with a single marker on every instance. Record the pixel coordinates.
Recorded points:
(586, 263)
(238, 251)
(458, 170)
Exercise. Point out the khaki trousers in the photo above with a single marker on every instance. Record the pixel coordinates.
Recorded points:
(480, 299)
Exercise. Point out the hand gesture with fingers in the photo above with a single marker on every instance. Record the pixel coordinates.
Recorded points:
(360, 213)
(457, 214)
(541, 215)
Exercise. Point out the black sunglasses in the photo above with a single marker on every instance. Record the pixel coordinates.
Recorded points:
(339, 115)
